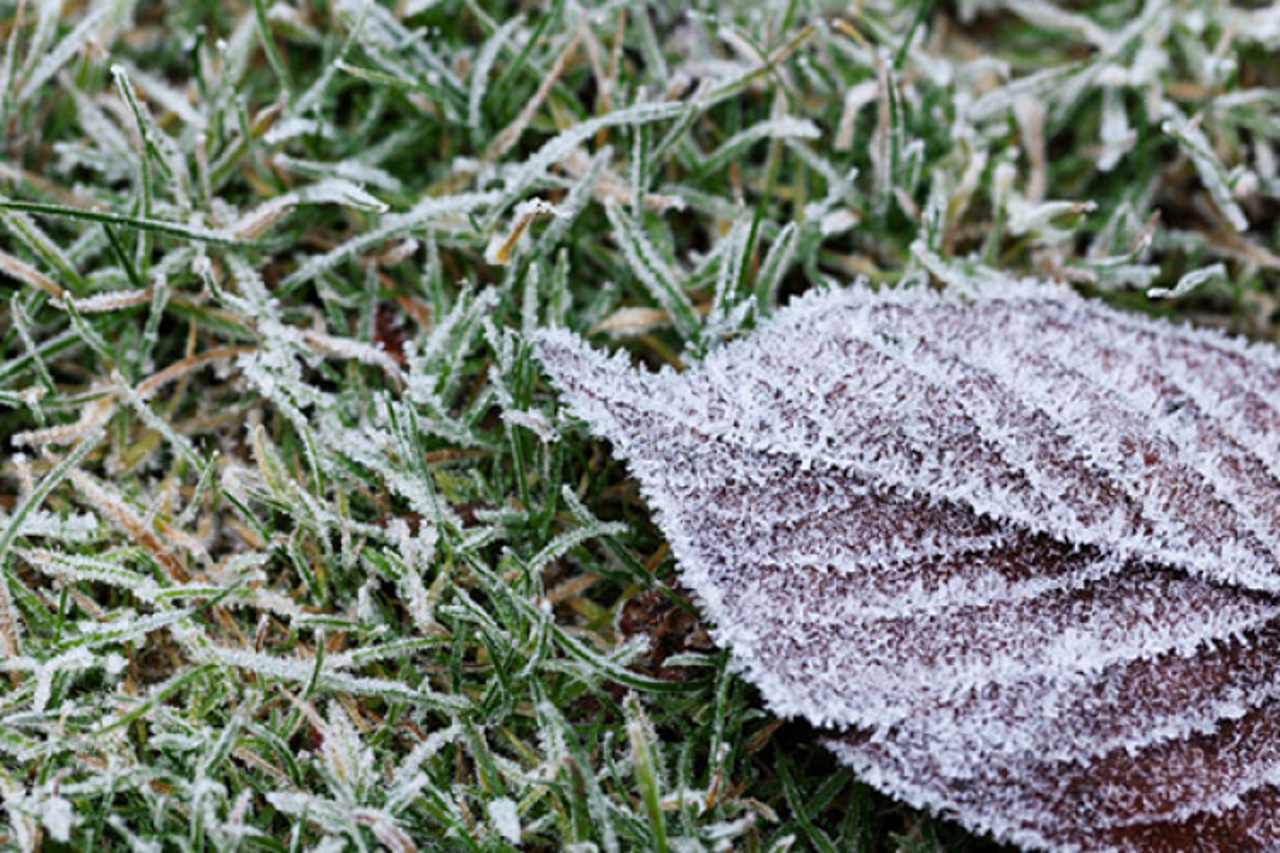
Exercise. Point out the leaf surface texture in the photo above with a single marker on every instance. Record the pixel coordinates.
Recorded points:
(1019, 552)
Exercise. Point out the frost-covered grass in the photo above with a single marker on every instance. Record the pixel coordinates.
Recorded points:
(299, 551)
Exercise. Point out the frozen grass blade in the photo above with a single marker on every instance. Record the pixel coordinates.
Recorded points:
(648, 773)
(10, 626)
(52, 60)
(653, 272)
(196, 234)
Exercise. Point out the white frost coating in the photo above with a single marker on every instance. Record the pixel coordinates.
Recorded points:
(858, 96)
(534, 421)
(483, 67)
(505, 818)
(61, 53)
(786, 127)
(75, 528)
(1117, 136)
(330, 677)
(65, 664)
(1261, 25)
(838, 222)
(351, 170)
(328, 191)
(1190, 281)
(429, 210)
(349, 760)
(1208, 165)
(1019, 549)
(58, 817)
(502, 245)
(561, 146)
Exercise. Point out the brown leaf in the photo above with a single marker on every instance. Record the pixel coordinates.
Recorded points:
(1018, 551)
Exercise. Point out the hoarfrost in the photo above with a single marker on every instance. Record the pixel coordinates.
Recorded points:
(58, 817)
(1190, 282)
(535, 422)
(1212, 172)
(1018, 550)
(505, 818)
(75, 528)
(349, 761)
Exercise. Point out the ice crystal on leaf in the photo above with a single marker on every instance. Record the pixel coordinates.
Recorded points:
(1017, 550)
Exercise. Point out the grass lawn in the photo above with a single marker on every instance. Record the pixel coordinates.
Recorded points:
(299, 551)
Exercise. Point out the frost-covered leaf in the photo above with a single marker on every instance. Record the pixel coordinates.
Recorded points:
(1018, 550)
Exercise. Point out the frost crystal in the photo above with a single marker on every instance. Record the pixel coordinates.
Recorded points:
(506, 819)
(58, 818)
(1018, 550)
